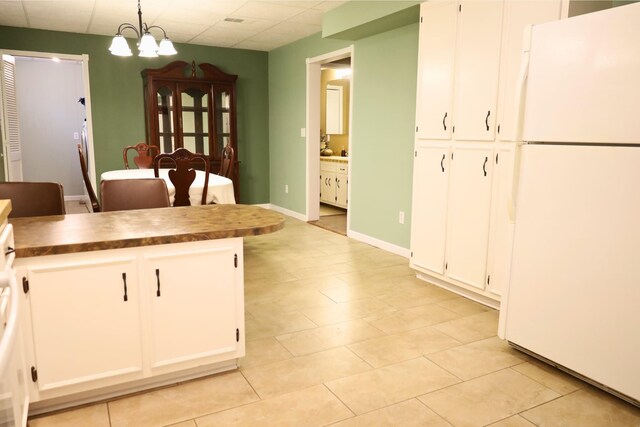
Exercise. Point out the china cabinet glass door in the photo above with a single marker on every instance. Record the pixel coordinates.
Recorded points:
(195, 118)
(223, 128)
(166, 129)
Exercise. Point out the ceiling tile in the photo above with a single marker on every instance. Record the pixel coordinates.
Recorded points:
(263, 10)
(303, 4)
(311, 16)
(328, 5)
(256, 25)
(295, 29)
(11, 13)
(256, 45)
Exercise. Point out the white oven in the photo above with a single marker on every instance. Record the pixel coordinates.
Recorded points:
(14, 399)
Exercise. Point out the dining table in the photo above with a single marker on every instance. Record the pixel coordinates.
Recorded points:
(219, 190)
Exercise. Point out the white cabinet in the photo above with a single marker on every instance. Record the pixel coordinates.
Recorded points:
(468, 65)
(452, 205)
(334, 183)
(477, 65)
(429, 211)
(462, 98)
(468, 213)
(435, 72)
(518, 14)
(85, 321)
(327, 185)
(129, 316)
(183, 287)
(342, 184)
(501, 236)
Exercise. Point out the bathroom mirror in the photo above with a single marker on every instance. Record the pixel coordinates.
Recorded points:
(334, 113)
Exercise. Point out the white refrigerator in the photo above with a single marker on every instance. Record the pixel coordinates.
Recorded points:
(573, 298)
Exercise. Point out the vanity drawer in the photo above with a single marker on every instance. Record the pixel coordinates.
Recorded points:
(326, 166)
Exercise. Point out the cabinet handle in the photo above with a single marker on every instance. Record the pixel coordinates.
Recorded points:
(486, 119)
(337, 183)
(442, 162)
(444, 125)
(484, 165)
(158, 281)
(124, 280)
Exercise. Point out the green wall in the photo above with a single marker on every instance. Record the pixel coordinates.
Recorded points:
(384, 93)
(117, 100)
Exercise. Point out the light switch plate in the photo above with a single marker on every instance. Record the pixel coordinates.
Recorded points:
(303, 132)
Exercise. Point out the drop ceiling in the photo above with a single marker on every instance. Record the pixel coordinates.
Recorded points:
(240, 24)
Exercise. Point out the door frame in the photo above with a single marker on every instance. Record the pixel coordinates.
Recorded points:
(313, 130)
(84, 59)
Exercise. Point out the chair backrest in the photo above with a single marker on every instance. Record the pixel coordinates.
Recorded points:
(95, 206)
(144, 159)
(128, 194)
(33, 198)
(183, 175)
(227, 161)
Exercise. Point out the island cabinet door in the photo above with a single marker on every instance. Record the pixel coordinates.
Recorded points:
(195, 305)
(85, 324)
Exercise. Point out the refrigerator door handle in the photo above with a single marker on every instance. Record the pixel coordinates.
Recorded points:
(520, 90)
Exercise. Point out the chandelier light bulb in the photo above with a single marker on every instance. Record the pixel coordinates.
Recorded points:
(147, 45)
(119, 46)
(166, 47)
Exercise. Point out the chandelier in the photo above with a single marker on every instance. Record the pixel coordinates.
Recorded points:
(146, 43)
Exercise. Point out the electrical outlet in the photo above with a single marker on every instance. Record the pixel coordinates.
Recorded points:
(401, 217)
(76, 135)
(303, 132)
(286, 188)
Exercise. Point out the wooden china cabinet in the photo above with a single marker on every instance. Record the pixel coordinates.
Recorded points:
(194, 110)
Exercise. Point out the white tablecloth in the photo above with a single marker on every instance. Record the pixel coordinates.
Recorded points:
(220, 188)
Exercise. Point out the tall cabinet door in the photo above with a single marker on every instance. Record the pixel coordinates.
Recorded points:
(518, 14)
(469, 212)
(429, 211)
(186, 288)
(501, 237)
(477, 68)
(436, 61)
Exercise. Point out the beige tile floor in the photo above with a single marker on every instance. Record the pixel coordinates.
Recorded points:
(340, 333)
(74, 207)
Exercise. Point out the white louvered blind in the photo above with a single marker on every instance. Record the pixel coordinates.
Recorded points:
(10, 108)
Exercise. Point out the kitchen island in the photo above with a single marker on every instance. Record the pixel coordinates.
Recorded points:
(117, 302)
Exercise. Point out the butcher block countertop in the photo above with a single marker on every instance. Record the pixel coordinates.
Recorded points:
(62, 234)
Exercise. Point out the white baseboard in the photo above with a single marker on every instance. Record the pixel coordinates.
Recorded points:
(389, 247)
(75, 198)
(263, 205)
(287, 212)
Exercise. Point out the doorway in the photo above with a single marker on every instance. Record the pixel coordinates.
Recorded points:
(50, 114)
(320, 87)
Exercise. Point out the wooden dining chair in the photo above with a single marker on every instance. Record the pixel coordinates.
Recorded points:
(144, 159)
(95, 206)
(33, 198)
(129, 194)
(183, 175)
(227, 161)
